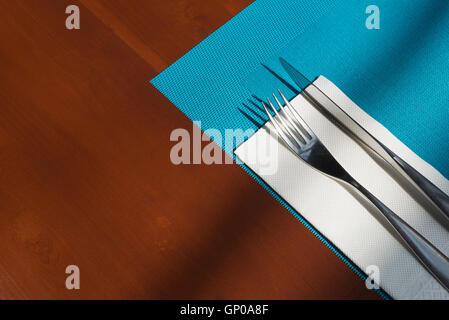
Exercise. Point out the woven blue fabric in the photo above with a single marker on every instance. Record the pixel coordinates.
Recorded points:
(398, 74)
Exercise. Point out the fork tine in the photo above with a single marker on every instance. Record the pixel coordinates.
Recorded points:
(280, 131)
(303, 137)
(297, 116)
(285, 125)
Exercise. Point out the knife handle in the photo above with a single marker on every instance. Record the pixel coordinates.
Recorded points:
(438, 197)
(435, 261)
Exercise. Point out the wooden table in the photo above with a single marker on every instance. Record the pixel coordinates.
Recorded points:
(86, 178)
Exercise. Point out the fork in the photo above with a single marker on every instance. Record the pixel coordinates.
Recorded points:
(298, 136)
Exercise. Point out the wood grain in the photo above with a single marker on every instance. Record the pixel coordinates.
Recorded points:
(86, 179)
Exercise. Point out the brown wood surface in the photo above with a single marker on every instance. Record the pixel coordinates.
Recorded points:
(86, 178)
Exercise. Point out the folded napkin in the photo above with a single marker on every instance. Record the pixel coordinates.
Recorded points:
(349, 221)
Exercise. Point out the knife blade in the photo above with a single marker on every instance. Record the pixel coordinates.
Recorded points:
(437, 198)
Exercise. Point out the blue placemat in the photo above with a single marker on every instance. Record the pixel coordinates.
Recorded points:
(399, 74)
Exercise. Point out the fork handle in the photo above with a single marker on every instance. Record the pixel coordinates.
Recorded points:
(435, 261)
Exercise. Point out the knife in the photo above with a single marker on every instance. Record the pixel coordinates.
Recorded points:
(437, 198)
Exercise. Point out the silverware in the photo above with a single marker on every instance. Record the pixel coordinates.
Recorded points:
(437, 198)
(302, 140)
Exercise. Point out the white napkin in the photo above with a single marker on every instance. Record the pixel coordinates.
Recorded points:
(351, 223)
